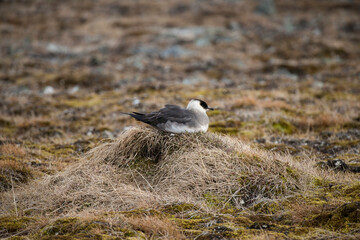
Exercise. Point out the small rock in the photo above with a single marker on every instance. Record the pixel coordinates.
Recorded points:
(355, 161)
(326, 134)
(94, 61)
(260, 225)
(338, 164)
(202, 42)
(175, 52)
(107, 134)
(266, 7)
(192, 80)
(179, 9)
(136, 102)
(81, 145)
(261, 140)
(288, 25)
(220, 229)
(318, 84)
(74, 89)
(228, 82)
(56, 48)
(90, 131)
(48, 90)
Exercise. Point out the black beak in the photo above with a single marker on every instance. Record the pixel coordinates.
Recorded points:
(210, 108)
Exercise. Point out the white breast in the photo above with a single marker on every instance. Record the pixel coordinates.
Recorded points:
(175, 127)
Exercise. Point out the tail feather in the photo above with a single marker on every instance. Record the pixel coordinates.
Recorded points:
(138, 116)
(138, 113)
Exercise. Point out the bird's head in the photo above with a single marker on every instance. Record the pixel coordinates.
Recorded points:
(199, 105)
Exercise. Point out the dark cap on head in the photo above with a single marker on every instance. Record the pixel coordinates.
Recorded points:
(204, 104)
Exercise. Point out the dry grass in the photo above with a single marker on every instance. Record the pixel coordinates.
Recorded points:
(275, 105)
(321, 120)
(155, 227)
(244, 102)
(12, 150)
(146, 168)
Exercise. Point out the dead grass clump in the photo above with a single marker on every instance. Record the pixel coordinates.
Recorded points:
(12, 150)
(320, 121)
(155, 227)
(146, 168)
(138, 144)
(244, 102)
(276, 105)
(11, 172)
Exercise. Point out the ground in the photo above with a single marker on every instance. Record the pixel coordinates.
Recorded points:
(284, 77)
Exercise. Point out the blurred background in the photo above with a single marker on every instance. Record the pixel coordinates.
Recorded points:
(284, 76)
(272, 68)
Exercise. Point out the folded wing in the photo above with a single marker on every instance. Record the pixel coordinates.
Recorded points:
(171, 113)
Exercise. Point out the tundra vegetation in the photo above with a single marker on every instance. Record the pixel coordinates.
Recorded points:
(281, 158)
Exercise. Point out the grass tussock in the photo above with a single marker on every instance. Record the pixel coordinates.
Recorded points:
(144, 167)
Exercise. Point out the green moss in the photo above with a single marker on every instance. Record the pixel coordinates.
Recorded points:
(90, 101)
(7, 128)
(61, 226)
(292, 172)
(230, 127)
(283, 127)
(179, 208)
(214, 113)
(76, 228)
(348, 193)
(267, 207)
(190, 224)
(320, 182)
(53, 150)
(342, 218)
(5, 123)
(18, 238)
(13, 224)
(350, 125)
(242, 221)
(212, 200)
(14, 171)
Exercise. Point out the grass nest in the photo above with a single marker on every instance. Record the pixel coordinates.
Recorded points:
(147, 168)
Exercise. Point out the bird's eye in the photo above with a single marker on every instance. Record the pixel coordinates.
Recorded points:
(203, 104)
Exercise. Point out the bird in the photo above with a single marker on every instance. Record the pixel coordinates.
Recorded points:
(175, 119)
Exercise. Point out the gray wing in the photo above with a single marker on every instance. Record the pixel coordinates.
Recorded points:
(171, 113)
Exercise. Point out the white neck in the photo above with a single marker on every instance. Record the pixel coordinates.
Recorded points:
(194, 105)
